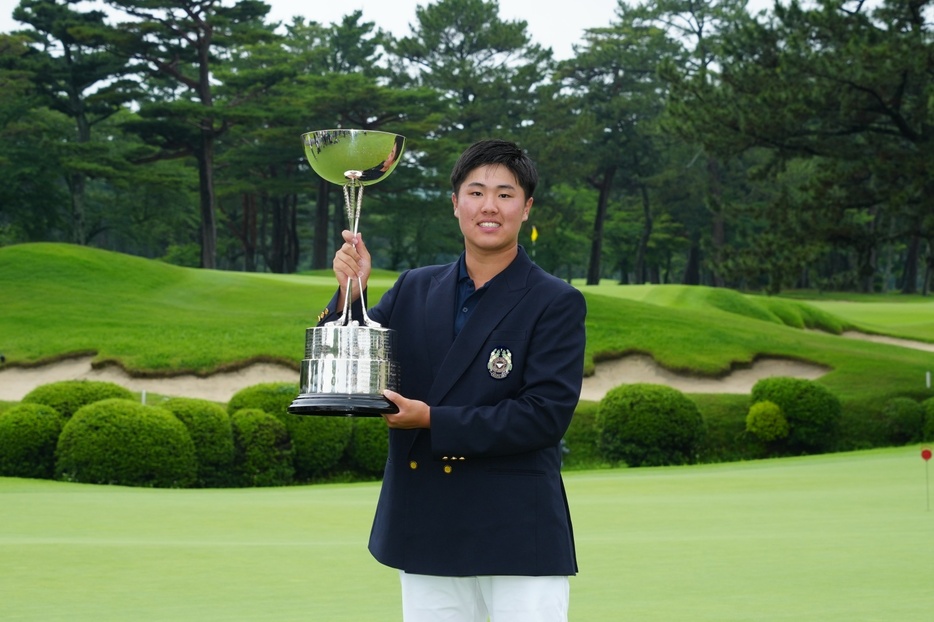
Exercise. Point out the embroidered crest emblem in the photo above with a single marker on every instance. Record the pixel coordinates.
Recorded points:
(500, 363)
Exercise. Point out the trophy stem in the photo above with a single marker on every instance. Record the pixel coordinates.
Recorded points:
(353, 201)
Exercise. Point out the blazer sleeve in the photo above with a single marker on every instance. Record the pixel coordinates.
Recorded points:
(539, 411)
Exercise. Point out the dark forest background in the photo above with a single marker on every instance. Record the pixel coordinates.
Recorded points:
(689, 141)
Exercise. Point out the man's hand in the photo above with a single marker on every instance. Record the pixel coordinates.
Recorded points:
(351, 261)
(412, 413)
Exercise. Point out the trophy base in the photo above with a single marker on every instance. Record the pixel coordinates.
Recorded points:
(342, 405)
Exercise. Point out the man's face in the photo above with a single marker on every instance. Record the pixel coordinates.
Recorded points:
(491, 207)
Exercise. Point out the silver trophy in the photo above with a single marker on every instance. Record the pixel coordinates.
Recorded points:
(348, 365)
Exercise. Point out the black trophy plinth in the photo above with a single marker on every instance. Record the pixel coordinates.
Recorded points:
(342, 405)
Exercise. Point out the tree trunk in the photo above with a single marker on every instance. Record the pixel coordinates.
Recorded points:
(291, 233)
(206, 186)
(596, 244)
(319, 249)
(910, 272)
(276, 258)
(718, 228)
(642, 275)
(206, 149)
(691, 274)
(248, 237)
(77, 181)
(928, 270)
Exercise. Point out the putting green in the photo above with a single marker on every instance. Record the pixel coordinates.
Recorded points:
(825, 538)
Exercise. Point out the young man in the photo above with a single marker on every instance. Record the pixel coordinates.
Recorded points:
(472, 509)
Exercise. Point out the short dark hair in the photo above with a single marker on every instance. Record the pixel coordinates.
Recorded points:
(495, 151)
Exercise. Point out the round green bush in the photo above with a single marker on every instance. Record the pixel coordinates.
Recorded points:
(903, 418)
(209, 427)
(118, 441)
(581, 444)
(766, 422)
(28, 435)
(271, 397)
(812, 411)
(68, 396)
(928, 406)
(318, 443)
(648, 425)
(262, 452)
(369, 445)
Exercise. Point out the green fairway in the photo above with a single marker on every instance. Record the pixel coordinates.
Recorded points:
(825, 538)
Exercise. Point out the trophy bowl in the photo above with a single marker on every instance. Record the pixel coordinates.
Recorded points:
(333, 154)
(348, 365)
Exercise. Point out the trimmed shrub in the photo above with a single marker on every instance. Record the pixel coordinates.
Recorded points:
(209, 427)
(725, 436)
(318, 443)
(68, 396)
(581, 447)
(766, 422)
(271, 397)
(812, 411)
(369, 445)
(648, 425)
(119, 441)
(28, 435)
(903, 418)
(262, 453)
(928, 405)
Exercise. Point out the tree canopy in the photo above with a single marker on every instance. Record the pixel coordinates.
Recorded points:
(686, 141)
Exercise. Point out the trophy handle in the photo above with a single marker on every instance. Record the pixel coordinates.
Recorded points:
(345, 315)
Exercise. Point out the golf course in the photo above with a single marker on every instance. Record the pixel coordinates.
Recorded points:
(839, 536)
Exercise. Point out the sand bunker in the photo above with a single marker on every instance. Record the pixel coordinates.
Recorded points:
(16, 382)
(892, 341)
(643, 368)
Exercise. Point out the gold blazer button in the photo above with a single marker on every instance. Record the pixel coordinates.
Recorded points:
(413, 465)
(448, 468)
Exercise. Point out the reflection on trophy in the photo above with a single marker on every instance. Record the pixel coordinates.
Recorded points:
(347, 365)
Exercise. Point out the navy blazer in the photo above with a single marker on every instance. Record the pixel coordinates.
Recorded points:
(481, 493)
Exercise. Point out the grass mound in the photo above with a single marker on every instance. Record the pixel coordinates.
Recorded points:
(155, 319)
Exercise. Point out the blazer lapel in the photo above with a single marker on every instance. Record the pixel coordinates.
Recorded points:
(439, 316)
(504, 293)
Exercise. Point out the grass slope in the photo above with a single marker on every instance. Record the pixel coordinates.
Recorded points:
(154, 319)
(149, 316)
(834, 538)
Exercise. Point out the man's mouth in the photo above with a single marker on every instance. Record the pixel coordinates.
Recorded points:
(489, 225)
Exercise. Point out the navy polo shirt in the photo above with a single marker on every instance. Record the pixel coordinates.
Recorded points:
(467, 296)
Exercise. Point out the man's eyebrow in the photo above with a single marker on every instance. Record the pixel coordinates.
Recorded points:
(480, 184)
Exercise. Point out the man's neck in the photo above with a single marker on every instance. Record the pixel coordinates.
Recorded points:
(482, 267)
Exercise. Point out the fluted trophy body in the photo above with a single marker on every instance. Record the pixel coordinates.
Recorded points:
(349, 364)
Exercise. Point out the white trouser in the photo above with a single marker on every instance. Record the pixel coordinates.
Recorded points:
(501, 598)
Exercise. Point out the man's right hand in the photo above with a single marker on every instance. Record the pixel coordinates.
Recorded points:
(351, 261)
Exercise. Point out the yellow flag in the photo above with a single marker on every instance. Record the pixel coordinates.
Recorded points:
(534, 234)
